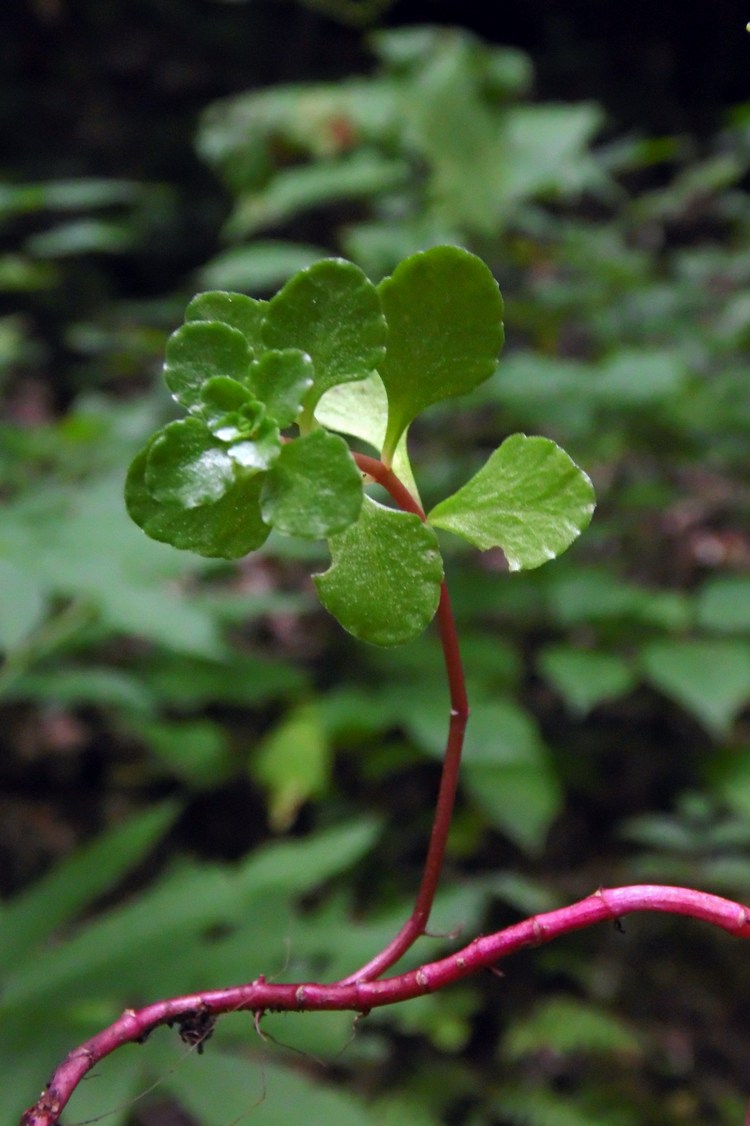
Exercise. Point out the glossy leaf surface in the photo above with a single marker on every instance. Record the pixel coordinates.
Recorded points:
(199, 350)
(444, 313)
(228, 529)
(314, 489)
(529, 498)
(281, 379)
(187, 466)
(383, 584)
(233, 309)
(332, 312)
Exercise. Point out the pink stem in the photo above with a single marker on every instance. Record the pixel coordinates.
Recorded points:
(198, 1010)
(415, 925)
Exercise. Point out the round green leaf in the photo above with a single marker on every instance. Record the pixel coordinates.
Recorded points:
(233, 309)
(529, 498)
(221, 396)
(228, 529)
(332, 312)
(445, 330)
(199, 351)
(187, 466)
(281, 380)
(314, 488)
(383, 584)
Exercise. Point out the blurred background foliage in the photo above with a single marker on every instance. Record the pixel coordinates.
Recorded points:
(202, 778)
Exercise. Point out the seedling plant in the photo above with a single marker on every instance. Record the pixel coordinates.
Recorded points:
(282, 398)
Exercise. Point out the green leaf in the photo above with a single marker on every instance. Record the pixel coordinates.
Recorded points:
(709, 678)
(281, 380)
(508, 773)
(34, 915)
(87, 685)
(78, 542)
(199, 350)
(299, 865)
(529, 498)
(223, 1089)
(292, 190)
(445, 330)
(292, 764)
(22, 605)
(585, 678)
(724, 604)
(220, 396)
(233, 309)
(383, 584)
(332, 312)
(187, 466)
(196, 751)
(260, 265)
(260, 447)
(118, 1083)
(564, 1024)
(361, 410)
(314, 489)
(228, 529)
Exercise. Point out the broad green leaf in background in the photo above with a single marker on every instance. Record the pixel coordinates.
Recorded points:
(523, 1104)
(22, 605)
(59, 896)
(260, 266)
(332, 312)
(548, 151)
(228, 529)
(353, 176)
(565, 1024)
(529, 498)
(454, 129)
(233, 309)
(710, 678)
(597, 594)
(198, 751)
(724, 604)
(383, 584)
(199, 350)
(445, 331)
(585, 678)
(83, 685)
(632, 378)
(730, 780)
(300, 864)
(77, 542)
(115, 1085)
(221, 1088)
(292, 764)
(314, 490)
(508, 773)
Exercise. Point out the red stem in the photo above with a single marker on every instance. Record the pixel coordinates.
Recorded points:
(415, 925)
(260, 996)
(362, 991)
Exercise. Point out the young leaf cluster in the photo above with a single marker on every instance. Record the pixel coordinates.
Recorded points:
(259, 378)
